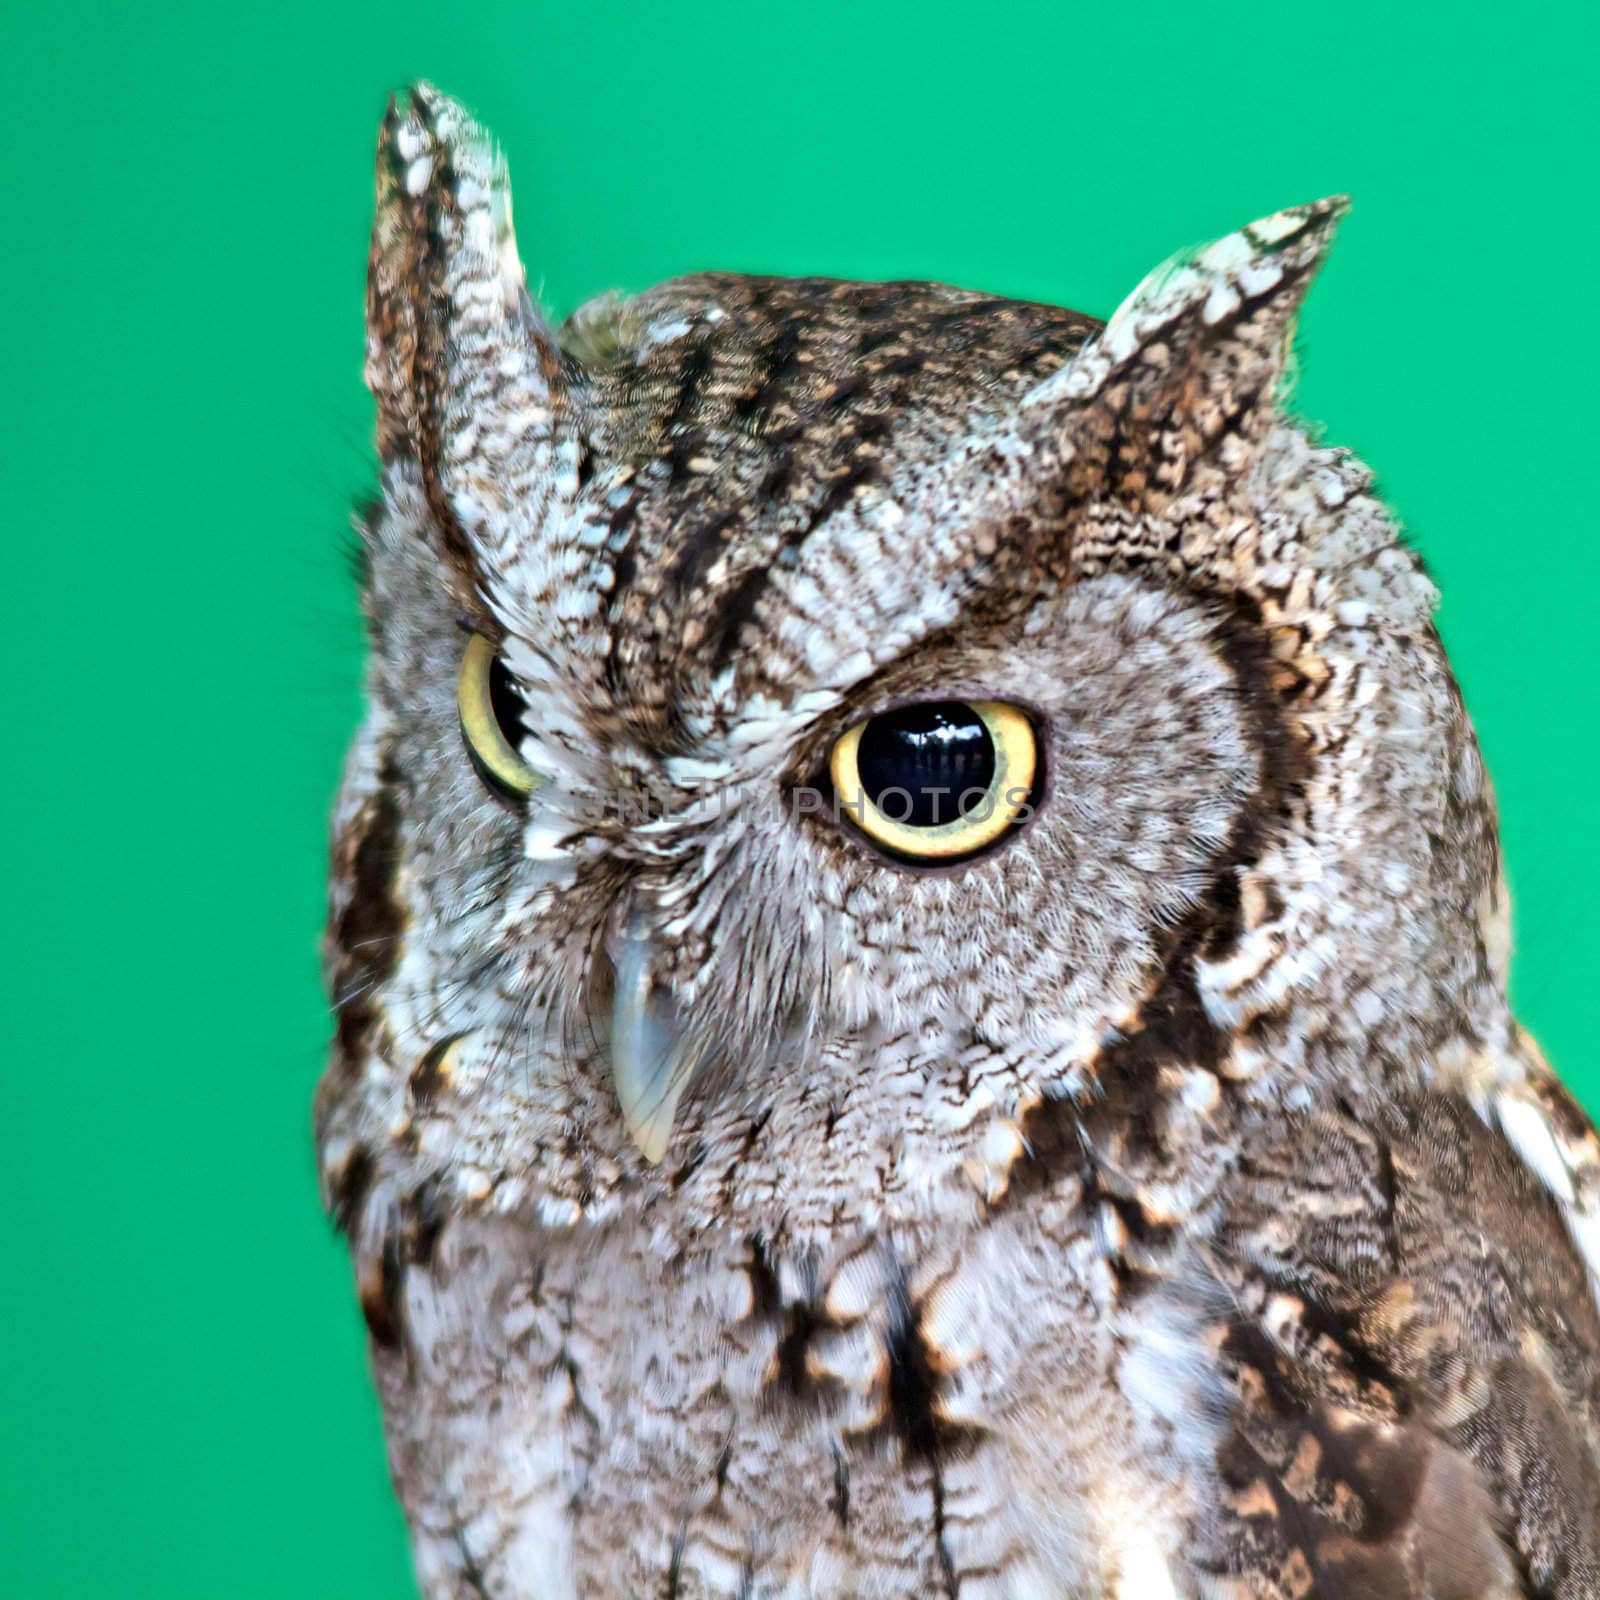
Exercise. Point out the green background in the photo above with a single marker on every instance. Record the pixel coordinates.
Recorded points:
(184, 1407)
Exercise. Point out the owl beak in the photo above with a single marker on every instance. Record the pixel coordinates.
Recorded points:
(651, 1058)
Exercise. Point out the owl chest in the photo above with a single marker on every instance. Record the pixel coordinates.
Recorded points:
(593, 1421)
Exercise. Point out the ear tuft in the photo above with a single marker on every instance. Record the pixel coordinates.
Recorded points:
(456, 351)
(1195, 355)
(434, 161)
(1270, 261)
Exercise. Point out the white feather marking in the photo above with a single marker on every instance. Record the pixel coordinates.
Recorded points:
(418, 174)
(1143, 1570)
(1528, 1133)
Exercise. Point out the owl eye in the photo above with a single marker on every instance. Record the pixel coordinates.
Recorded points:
(491, 711)
(939, 780)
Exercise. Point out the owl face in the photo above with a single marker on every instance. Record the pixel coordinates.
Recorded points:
(823, 716)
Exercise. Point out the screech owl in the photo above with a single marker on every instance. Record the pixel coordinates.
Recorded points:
(920, 959)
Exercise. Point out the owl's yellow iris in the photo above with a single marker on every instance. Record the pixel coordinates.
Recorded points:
(483, 713)
(936, 782)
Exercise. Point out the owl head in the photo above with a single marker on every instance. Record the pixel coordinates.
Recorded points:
(822, 729)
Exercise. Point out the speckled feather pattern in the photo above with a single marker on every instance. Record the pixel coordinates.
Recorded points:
(1165, 1203)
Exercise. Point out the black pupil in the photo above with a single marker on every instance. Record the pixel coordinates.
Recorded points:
(926, 765)
(506, 703)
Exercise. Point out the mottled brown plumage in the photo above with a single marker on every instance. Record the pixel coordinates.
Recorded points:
(1160, 1202)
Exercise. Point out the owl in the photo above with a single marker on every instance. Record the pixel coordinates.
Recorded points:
(920, 957)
